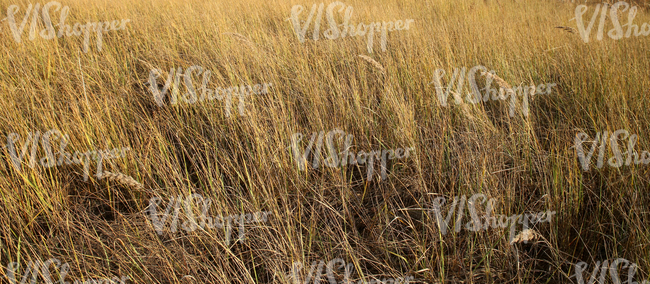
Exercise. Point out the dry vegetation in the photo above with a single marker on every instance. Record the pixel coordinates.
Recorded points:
(242, 162)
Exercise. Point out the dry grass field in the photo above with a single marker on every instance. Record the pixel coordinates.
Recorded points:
(240, 155)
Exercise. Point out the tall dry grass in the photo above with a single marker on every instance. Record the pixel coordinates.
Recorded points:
(527, 163)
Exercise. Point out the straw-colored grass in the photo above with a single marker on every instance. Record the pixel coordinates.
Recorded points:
(243, 163)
